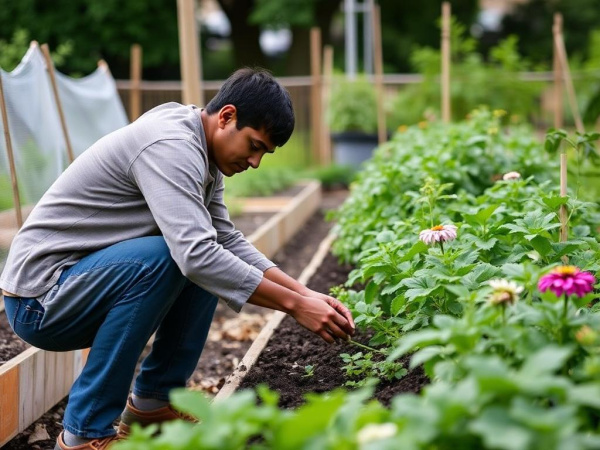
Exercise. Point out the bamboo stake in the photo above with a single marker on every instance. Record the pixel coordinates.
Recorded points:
(326, 91)
(568, 80)
(189, 53)
(63, 122)
(566, 72)
(446, 113)
(135, 98)
(564, 226)
(315, 91)
(11, 159)
(558, 92)
(558, 123)
(378, 55)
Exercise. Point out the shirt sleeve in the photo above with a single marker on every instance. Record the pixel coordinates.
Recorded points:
(171, 175)
(231, 238)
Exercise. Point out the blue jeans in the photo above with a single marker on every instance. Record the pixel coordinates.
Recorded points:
(113, 300)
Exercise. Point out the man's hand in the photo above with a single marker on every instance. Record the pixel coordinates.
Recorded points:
(319, 313)
(324, 316)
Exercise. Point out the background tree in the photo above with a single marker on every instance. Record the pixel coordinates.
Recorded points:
(100, 29)
(532, 22)
(408, 25)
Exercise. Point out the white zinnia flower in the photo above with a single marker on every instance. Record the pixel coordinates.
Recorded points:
(439, 233)
(376, 432)
(505, 291)
(511, 176)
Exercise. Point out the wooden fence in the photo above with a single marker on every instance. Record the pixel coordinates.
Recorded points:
(153, 93)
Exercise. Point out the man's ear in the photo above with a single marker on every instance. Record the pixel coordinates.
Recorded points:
(228, 113)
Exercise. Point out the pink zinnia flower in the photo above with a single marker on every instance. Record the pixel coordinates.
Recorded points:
(567, 280)
(505, 292)
(511, 176)
(439, 233)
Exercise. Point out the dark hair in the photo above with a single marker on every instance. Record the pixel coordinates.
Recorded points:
(261, 103)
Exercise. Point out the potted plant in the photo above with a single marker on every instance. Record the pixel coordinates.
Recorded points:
(352, 117)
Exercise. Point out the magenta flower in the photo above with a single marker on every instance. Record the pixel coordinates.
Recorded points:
(567, 280)
(439, 233)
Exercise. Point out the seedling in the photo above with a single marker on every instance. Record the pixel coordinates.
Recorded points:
(309, 371)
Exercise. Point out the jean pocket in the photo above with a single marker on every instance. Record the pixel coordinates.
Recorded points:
(30, 312)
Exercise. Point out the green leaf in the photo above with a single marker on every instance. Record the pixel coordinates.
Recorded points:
(426, 354)
(443, 321)
(554, 202)
(481, 217)
(457, 289)
(397, 304)
(370, 292)
(542, 245)
(586, 394)
(581, 231)
(385, 236)
(485, 245)
(546, 361)
(418, 247)
(191, 402)
(416, 339)
(499, 431)
(419, 287)
(308, 420)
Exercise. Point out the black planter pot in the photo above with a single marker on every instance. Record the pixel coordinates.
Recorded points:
(352, 148)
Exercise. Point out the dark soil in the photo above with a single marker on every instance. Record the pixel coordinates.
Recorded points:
(292, 347)
(220, 356)
(223, 351)
(247, 223)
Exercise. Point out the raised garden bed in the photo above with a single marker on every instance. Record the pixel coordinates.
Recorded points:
(35, 380)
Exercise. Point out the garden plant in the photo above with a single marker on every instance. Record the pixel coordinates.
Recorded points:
(454, 234)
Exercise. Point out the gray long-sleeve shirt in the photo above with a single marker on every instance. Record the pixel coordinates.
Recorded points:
(149, 178)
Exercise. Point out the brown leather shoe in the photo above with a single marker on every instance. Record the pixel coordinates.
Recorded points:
(94, 444)
(133, 415)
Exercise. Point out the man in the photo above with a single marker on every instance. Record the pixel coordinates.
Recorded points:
(134, 238)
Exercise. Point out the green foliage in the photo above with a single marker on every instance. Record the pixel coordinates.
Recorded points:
(6, 199)
(474, 82)
(333, 175)
(359, 368)
(284, 13)
(579, 17)
(100, 30)
(518, 375)
(469, 155)
(258, 183)
(352, 106)
(408, 25)
(12, 52)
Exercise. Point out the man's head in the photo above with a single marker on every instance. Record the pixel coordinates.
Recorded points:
(253, 114)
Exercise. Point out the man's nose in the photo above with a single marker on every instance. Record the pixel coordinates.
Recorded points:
(254, 161)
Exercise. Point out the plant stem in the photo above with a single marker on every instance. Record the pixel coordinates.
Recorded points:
(442, 247)
(366, 347)
(563, 333)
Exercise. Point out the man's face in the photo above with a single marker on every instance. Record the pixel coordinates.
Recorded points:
(235, 150)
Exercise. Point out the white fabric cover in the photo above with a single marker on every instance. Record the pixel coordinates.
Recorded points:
(91, 106)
